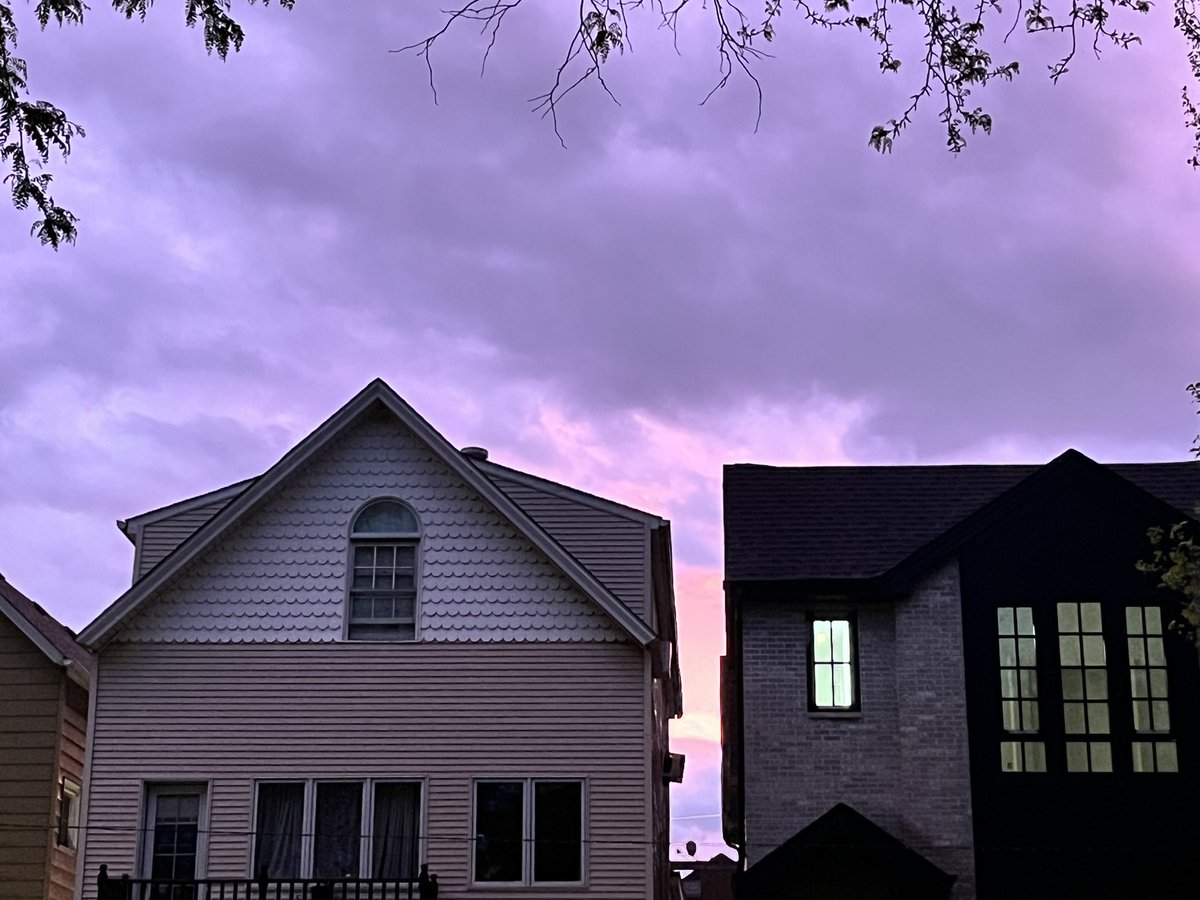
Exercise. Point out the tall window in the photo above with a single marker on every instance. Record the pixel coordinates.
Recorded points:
(383, 588)
(529, 831)
(67, 833)
(324, 837)
(1084, 687)
(171, 839)
(1154, 750)
(831, 668)
(1019, 690)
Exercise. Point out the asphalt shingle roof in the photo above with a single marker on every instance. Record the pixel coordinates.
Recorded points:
(59, 635)
(835, 522)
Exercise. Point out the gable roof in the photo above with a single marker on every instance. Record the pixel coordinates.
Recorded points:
(48, 634)
(844, 854)
(376, 395)
(828, 523)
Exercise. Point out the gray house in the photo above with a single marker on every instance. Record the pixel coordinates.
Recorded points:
(44, 677)
(952, 681)
(385, 653)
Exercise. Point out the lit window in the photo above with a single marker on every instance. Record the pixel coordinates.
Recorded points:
(383, 587)
(316, 829)
(68, 814)
(1155, 752)
(831, 665)
(1084, 686)
(529, 831)
(1019, 690)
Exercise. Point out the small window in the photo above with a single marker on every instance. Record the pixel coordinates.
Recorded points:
(172, 840)
(832, 675)
(529, 831)
(382, 602)
(68, 815)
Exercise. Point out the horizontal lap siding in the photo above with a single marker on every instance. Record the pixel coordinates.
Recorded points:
(445, 712)
(613, 548)
(29, 689)
(71, 755)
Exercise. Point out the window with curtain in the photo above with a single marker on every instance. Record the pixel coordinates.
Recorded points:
(316, 828)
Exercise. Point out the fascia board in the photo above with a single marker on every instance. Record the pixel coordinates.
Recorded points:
(104, 625)
(27, 628)
(135, 523)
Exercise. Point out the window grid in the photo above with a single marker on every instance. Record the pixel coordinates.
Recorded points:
(383, 578)
(1083, 664)
(1148, 691)
(1019, 689)
(832, 665)
(529, 831)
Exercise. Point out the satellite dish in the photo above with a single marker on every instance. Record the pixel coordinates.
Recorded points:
(690, 846)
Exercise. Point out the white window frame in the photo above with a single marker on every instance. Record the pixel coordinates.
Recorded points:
(359, 539)
(70, 792)
(527, 830)
(150, 793)
(366, 826)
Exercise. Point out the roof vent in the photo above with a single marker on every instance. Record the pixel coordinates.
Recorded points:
(474, 452)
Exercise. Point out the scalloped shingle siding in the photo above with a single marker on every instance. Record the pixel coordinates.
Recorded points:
(280, 574)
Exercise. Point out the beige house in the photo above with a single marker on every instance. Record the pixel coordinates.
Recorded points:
(385, 653)
(43, 723)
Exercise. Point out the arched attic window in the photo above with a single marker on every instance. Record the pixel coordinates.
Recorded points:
(382, 601)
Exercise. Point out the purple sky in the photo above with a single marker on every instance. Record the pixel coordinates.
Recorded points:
(260, 238)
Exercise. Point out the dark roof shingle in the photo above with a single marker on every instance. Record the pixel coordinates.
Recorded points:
(59, 635)
(851, 522)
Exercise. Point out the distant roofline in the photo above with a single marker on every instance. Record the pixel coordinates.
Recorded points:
(49, 635)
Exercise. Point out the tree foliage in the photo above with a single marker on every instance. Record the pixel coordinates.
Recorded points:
(1175, 559)
(957, 56)
(31, 131)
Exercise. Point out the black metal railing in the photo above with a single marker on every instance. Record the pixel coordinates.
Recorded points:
(110, 887)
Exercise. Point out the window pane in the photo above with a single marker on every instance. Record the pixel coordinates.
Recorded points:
(1068, 617)
(1072, 680)
(1029, 684)
(1141, 716)
(280, 820)
(499, 823)
(1133, 620)
(1035, 756)
(1158, 683)
(1093, 650)
(1137, 683)
(1153, 620)
(1029, 715)
(557, 831)
(1154, 654)
(1137, 652)
(823, 677)
(1097, 718)
(1077, 756)
(822, 646)
(1068, 648)
(1143, 756)
(1097, 684)
(1090, 617)
(1028, 648)
(841, 641)
(1073, 717)
(843, 688)
(1161, 715)
(385, 556)
(1008, 683)
(1024, 620)
(386, 517)
(1168, 760)
(176, 833)
(1010, 711)
(1010, 756)
(395, 842)
(364, 557)
(1008, 652)
(337, 830)
(1101, 756)
(1004, 620)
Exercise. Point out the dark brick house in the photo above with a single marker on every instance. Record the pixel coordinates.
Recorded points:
(954, 675)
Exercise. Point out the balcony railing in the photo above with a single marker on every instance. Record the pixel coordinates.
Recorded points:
(110, 887)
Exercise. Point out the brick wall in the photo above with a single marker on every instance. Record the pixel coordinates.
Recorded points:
(902, 761)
